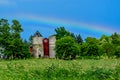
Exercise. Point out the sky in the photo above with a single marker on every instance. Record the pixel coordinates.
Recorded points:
(90, 18)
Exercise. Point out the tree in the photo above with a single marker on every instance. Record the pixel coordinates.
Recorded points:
(115, 35)
(10, 39)
(90, 48)
(93, 50)
(61, 32)
(66, 48)
(25, 49)
(15, 43)
(117, 51)
(109, 49)
(4, 33)
(115, 39)
(91, 40)
(30, 39)
(77, 38)
(83, 49)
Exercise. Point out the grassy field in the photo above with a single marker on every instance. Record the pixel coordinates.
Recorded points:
(52, 69)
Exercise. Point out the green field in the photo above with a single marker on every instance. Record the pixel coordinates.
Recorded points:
(52, 69)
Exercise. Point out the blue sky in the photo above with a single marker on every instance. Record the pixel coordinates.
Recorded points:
(86, 17)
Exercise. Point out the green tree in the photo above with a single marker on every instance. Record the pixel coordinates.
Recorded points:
(109, 45)
(4, 33)
(105, 39)
(90, 47)
(78, 38)
(10, 39)
(116, 43)
(83, 49)
(108, 49)
(61, 32)
(30, 39)
(117, 51)
(66, 48)
(16, 42)
(25, 49)
(115, 39)
(91, 40)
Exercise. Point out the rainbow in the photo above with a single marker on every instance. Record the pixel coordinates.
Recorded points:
(49, 23)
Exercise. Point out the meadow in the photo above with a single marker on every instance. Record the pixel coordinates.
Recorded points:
(53, 69)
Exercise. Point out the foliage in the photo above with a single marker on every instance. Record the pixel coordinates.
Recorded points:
(110, 45)
(115, 39)
(78, 38)
(91, 40)
(90, 47)
(105, 39)
(83, 49)
(30, 39)
(108, 49)
(117, 52)
(66, 48)
(51, 69)
(61, 32)
(10, 39)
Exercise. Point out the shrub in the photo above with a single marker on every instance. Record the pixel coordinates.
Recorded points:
(66, 48)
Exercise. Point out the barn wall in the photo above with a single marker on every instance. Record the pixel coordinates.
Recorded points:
(38, 48)
(52, 41)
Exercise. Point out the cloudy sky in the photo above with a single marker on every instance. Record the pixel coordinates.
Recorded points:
(86, 17)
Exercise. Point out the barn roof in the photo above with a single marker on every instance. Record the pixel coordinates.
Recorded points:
(37, 33)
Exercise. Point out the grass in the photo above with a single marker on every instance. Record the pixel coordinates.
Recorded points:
(52, 69)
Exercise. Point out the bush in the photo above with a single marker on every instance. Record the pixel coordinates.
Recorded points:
(66, 48)
(117, 52)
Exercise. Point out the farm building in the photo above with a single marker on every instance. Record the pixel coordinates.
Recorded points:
(43, 47)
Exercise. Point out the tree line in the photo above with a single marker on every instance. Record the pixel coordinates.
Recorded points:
(71, 46)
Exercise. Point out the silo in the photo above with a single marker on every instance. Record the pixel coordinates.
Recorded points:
(37, 46)
(52, 40)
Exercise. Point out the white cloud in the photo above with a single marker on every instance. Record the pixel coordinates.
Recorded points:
(6, 3)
